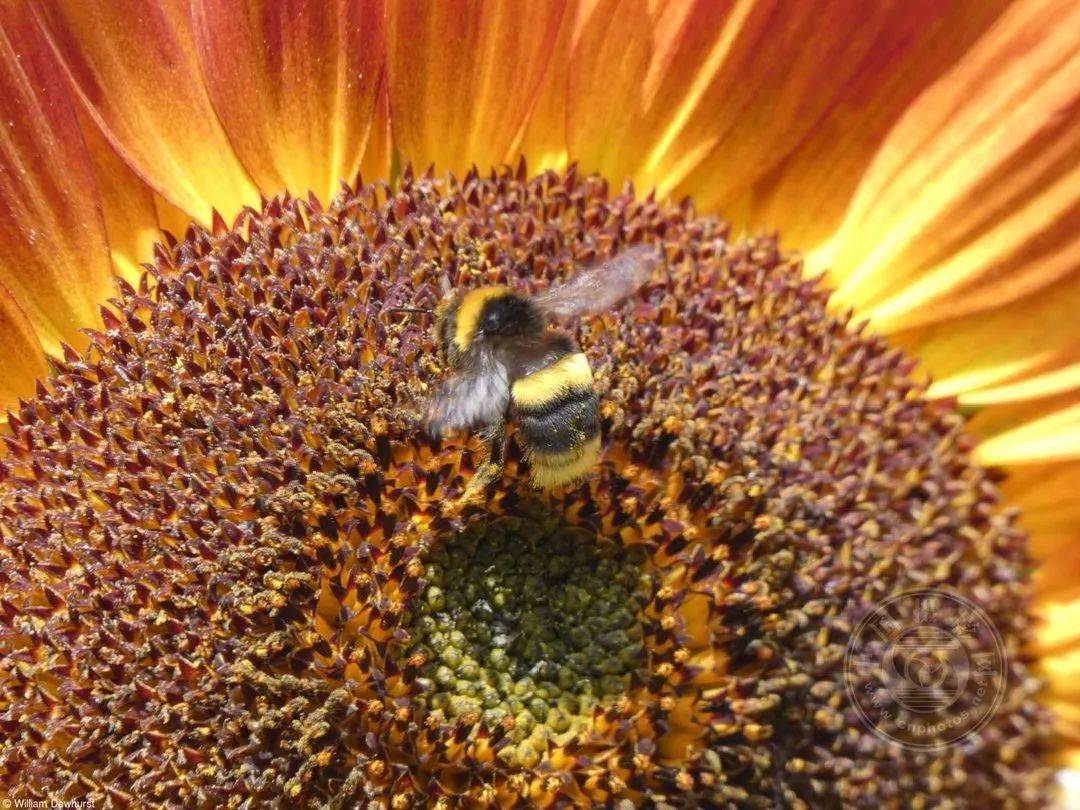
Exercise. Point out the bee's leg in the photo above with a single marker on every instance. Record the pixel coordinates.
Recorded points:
(491, 468)
(495, 442)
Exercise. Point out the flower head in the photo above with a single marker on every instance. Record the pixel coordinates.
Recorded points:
(234, 569)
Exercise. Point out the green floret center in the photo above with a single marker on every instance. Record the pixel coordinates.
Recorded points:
(529, 618)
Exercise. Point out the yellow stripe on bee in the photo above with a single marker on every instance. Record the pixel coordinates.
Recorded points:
(554, 469)
(469, 313)
(565, 374)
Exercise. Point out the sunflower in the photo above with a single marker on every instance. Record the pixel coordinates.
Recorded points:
(235, 572)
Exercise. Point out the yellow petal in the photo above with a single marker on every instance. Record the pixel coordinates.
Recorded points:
(1050, 513)
(1053, 381)
(1053, 436)
(1063, 672)
(1060, 626)
(463, 77)
(170, 218)
(1067, 715)
(134, 65)
(974, 198)
(54, 259)
(294, 84)
(1030, 426)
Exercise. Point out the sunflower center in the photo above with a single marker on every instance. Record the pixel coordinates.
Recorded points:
(529, 619)
(235, 572)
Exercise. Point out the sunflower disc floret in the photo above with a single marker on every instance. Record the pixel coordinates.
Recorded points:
(234, 571)
(527, 621)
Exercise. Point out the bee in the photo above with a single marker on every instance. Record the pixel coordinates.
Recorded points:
(508, 364)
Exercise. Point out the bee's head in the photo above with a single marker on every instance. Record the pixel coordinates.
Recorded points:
(484, 315)
(507, 315)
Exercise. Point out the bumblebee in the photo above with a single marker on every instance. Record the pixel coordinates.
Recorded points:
(508, 363)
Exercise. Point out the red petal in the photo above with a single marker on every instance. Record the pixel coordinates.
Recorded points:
(54, 259)
(135, 66)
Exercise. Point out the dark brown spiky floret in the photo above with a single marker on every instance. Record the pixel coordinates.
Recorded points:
(218, 521)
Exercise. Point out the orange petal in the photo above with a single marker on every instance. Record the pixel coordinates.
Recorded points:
(807, 194)
(706, 98)
(21, 357)
(1067, 717)
(170, 218)
(974, 200)
(544, 138)
(126, 202)
(1050, 513)
(1022, 349)
(463, 77)
(639, 77)
(54, 259)
(134, 64)
(1046, 494)
(1058, 579)
(294, 84)
(375, 164)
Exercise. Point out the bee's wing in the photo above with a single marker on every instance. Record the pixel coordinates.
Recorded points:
(523, 357)
(478, 394)
(599, 288)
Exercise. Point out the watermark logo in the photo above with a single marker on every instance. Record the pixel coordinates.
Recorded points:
(925, 669)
